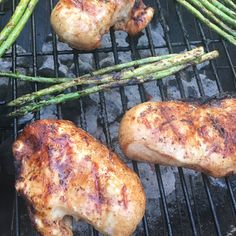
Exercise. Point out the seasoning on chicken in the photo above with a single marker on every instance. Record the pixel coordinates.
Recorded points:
(66, 172)
(199, 137)
(82, 23)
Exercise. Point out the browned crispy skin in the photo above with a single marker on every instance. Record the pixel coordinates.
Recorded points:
(199, 137)
(82, 23)
(66, 172)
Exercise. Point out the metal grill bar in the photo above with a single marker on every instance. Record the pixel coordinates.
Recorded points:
(15, 124)
(34, 52)
(55, 59)
(183, 183)
(205, 179)
(221, 90)
(163, 200)
(103, 113)
(103, 106)
(2, 102)
(124, 107)
(200, 86)
(231, 195)
(229, 60)
(194, 203)
(187, 44)
(216, 221)
(158, 172)
(135, 56)
(83, 123)
(202, 94)
(134, 49)
(106, 49)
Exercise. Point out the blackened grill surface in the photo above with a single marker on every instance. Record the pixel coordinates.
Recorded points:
(197, 205)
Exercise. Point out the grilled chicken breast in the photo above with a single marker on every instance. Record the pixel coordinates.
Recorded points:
(199, 137)
(66, 172)
(82, 23)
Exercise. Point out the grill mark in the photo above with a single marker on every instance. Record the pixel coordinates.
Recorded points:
(98, 196)
(78, 4)
(222, 133)
(188, 121)
(215, 148)
(202, 131)
(86, 140)
(228, 138)
(148, 110)
(143, 116)
(60, 147)
(82, 5)
(217, 126)
(87, 158)
(124, 196)
(166, 113)
(146, 123)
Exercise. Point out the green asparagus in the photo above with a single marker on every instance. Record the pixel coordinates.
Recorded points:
(231, 4)
(84, 77)
(223, 8)
(164, 64)
(218, 21)
(35, 106)
(33, 79)
(20, 9)
(224, 17)
(18, 28)
(211, 25)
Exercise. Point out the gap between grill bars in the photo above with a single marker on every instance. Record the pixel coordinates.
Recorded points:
(188, 211)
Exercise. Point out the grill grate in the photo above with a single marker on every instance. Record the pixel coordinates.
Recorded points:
(189, 219)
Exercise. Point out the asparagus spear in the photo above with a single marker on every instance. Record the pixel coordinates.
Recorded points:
(19, 11)
(231, 4)
(125, 75)
(85, 77)
(223, 8)
(18, 28)
(219, 13)
(211, 25)
(208, 13)
(33, 107)
(34, 79)
(139, 79)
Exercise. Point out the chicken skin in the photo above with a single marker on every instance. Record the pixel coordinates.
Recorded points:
(82, 23)
(200, 137)
(66, 172)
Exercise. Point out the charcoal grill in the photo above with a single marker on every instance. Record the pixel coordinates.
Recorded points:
(198, 205)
